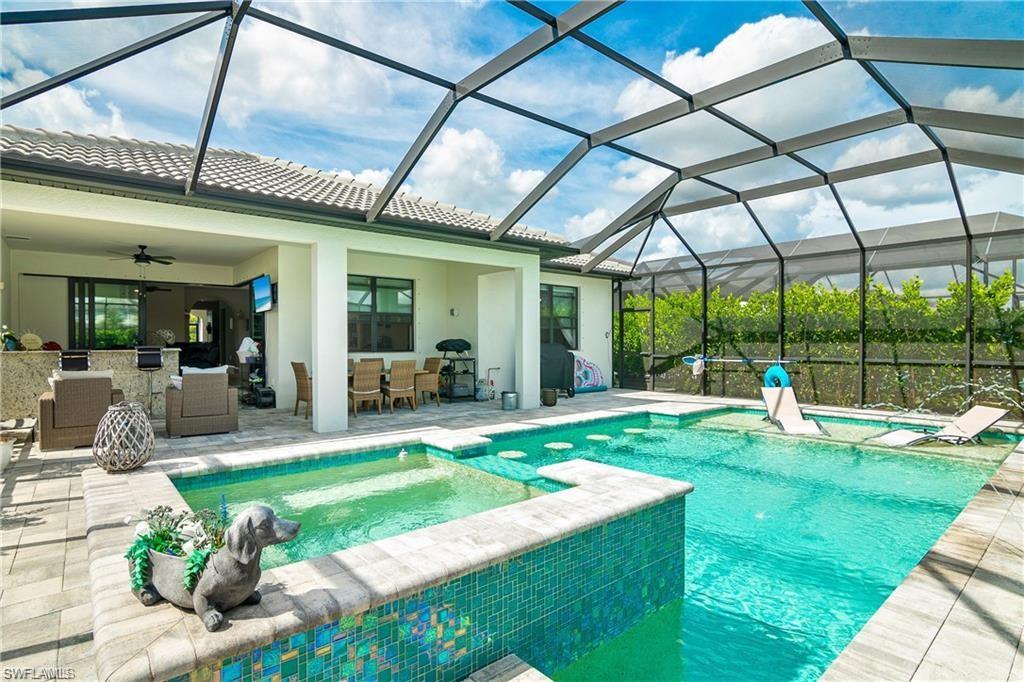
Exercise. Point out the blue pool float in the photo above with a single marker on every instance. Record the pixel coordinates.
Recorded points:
(776, 377)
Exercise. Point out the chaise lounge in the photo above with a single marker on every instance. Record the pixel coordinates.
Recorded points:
(967, 428)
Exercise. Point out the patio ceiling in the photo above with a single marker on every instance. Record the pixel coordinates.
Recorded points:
(761, 165)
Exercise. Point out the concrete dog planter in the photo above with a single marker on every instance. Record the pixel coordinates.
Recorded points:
(231, 575)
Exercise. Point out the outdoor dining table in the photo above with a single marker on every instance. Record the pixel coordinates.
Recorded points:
(385, 372)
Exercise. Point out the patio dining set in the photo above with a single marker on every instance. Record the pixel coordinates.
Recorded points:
(371, 382)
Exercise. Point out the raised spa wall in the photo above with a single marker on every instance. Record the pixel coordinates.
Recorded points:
(23, 376)
(549, 579)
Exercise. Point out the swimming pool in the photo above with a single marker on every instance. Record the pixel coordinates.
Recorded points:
(342, 503)
(791, 544)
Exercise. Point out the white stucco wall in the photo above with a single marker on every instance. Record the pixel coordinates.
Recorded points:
(595, 308)
(447, 274)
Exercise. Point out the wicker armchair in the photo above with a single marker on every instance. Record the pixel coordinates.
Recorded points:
(402, 383)
(70, 413)
(303, 388)
(365, 386)
(204, 404)
(430, 382)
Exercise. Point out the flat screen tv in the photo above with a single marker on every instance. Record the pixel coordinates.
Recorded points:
(261, 294)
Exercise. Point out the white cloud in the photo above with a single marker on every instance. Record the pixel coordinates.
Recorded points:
(468, 168)
(984, 99)
(870, 149)
(378, 177)
(522, 181)
(579, 226)
(67, 108)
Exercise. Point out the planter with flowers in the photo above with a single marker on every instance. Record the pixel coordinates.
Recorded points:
(170, 551)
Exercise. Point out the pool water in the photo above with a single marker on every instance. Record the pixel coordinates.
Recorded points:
(354, 503)
(791, 544)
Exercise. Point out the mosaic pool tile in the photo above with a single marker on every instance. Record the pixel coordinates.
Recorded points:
(549, 606)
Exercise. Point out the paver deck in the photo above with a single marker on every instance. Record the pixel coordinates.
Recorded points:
(46, 615)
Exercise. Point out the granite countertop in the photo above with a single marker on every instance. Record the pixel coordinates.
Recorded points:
(99, 350)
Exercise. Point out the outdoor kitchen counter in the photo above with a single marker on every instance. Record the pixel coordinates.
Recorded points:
(23, 377)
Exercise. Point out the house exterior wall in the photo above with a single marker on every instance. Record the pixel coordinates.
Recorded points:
(595, 310)
(452, 274)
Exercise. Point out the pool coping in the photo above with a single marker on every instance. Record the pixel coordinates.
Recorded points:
(959, 613)
(132, 641)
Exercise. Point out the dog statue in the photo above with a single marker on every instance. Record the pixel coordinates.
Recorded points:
(231, 574)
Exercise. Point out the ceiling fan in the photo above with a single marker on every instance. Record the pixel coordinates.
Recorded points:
(143, 258)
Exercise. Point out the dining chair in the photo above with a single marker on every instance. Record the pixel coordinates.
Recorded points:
(402, 383)
(303, 387)
(365, 386)
(430, 383)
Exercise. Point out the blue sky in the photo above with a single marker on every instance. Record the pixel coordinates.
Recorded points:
(289, 97)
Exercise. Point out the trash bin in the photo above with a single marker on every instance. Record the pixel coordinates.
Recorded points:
(509, 400)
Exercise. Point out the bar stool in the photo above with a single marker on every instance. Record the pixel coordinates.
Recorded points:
(74, 360)
(149, 359)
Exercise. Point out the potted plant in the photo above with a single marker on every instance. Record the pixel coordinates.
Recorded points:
(171, 549)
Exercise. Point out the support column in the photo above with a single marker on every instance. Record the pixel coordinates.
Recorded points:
(289, 320)
(528, 336)
(330, 336)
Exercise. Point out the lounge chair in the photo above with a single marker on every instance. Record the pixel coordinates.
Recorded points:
(70, 413)
(401, 384)
(303, 388)
(966, 428)
(784, 411)
(203, 405)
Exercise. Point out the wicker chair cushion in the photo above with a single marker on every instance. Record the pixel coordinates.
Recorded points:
(80, 402)
(204, 395)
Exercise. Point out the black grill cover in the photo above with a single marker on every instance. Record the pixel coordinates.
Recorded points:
(454, 346)
(557, 367)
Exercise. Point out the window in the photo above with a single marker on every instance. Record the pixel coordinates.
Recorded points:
(105, 314)
(559, 315)
(379, 314)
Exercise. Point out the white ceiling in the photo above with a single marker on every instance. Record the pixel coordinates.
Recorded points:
(97, 238)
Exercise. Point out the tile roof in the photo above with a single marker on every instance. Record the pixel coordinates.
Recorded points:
(243, 172)
(609, 266)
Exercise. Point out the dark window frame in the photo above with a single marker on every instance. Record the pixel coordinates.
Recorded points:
(82, 328)
(549, 324)
(374, 323)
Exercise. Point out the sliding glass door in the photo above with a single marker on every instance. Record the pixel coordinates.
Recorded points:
(104, 314)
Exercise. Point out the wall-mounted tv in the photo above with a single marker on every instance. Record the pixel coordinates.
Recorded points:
(262, 294)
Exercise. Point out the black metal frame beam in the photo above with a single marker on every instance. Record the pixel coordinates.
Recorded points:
(782, 279)
(220, 72)
(703, 297)
(580, 14)
(114, 57)
(46, 16)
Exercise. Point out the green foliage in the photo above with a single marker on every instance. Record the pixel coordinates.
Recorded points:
(138, 556)
(821, 328)
(193, 535)
(195, 564)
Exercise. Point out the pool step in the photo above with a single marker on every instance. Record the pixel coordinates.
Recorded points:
(509, 669)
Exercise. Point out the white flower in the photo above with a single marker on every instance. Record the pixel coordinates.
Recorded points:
(188, 548)
(141, 528)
